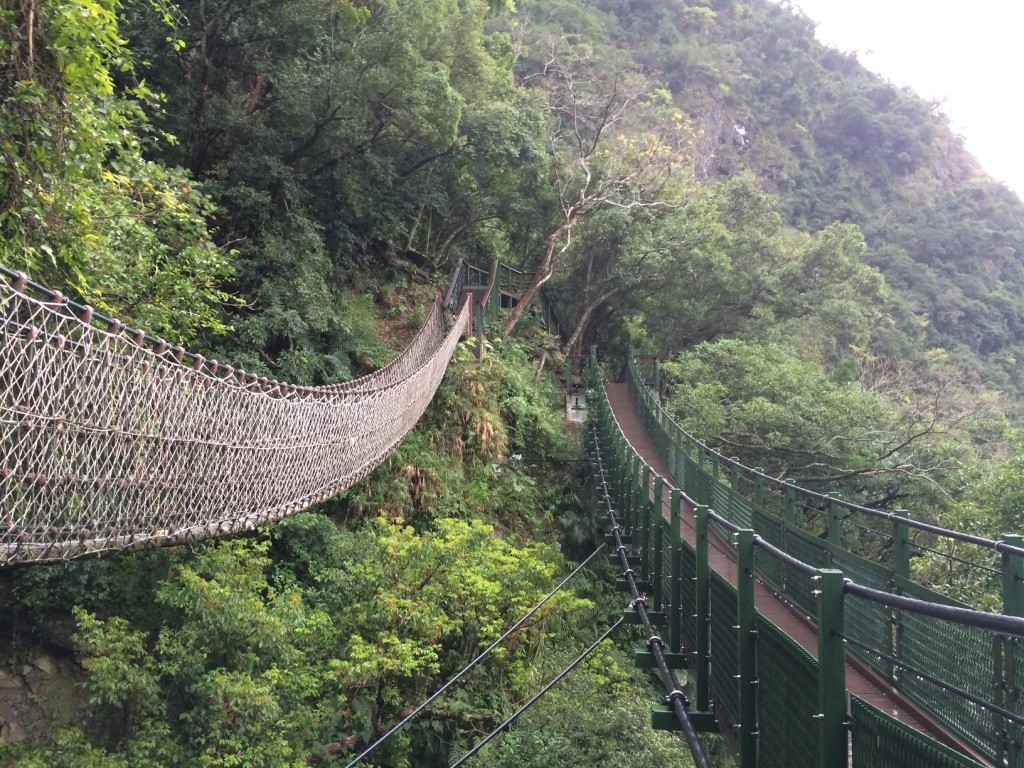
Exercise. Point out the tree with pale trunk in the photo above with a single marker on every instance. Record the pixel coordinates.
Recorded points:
(614, 141)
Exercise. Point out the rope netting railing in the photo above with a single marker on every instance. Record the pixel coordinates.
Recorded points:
(111, 439)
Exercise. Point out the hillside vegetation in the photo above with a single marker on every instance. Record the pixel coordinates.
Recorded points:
(833, 285)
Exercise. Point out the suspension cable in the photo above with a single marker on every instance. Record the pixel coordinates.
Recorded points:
(483, 655)
(674, 695)
(537, 696)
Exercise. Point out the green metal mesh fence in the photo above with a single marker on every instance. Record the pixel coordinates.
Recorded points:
(786, 705)
(867, 622)
(960, 656)
(770, 529)
(724, 648)
(963, 657)
(880, 741)
(721, 500)
(811, 550)
(702, 487)
(741, 511)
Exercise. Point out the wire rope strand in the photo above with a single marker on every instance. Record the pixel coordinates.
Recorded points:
(483, 655)
(537, 696)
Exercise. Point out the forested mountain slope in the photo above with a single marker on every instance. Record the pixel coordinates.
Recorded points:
(282, 185)
(834, 142)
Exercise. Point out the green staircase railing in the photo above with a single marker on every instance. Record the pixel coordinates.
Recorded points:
(773, 699)
(494, 289)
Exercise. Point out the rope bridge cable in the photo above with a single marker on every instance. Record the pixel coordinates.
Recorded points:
(111, 439)
(483, 655)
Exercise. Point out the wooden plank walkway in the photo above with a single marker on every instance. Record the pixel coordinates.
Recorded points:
(860, 680)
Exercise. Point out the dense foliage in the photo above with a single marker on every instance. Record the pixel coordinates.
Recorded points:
(835, 284)
(306, 641)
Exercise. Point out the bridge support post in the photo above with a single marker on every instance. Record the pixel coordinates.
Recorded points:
(675, 627)
(702, 673)
(833, 750)
(632, 496)
(643, 510)
(1013, 605)
(691, 460)
(790, 504)
(901, 572)
(835, 524)
(746, 637)
(617, 474)
(620, 474)
(657, 542)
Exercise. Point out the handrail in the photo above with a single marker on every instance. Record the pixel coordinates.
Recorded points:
(637, 385)
(894, 625)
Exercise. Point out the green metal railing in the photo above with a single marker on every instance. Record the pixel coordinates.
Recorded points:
(961, 675)
(490, 288)
(774, 701)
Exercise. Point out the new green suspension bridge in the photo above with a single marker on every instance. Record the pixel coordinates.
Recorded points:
(796, 648)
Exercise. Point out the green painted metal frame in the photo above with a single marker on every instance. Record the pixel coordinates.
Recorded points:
(640, 494)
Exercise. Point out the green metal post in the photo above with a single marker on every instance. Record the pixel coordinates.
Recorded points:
(1013, 605)
(746, 629)
(901, 572)
(657, 539)
(835, 523)
(656, 389)
(693, 477)
(759, 488)
(634, 499)
(901, 548)
(622, 488)
(833, 751)
(790, 503)
(702, 675)
(675, 637)
(644, 510)
(734, 491)
(1013, 577)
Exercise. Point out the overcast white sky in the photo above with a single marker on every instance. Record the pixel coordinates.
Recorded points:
(969, 55)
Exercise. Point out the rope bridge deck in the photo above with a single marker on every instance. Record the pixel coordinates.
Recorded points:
(113, 440)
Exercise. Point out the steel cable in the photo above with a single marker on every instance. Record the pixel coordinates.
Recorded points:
(674, 695)
(483, 655)
(537, 696)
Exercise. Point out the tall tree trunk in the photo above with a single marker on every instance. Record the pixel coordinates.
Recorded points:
(584, 321)
(544, 271)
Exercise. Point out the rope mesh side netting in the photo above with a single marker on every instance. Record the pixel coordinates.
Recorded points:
(112, 440)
